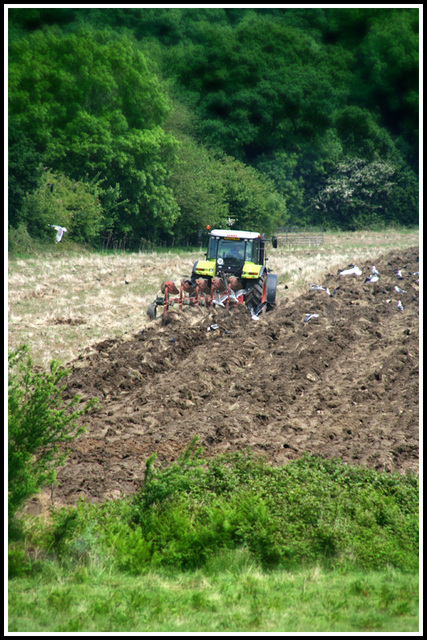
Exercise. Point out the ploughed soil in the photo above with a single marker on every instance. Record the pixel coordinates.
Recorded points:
(343, 385)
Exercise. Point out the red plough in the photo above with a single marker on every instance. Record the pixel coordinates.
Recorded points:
(196, 294)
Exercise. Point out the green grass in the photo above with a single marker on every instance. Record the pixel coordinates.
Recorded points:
(232, 594)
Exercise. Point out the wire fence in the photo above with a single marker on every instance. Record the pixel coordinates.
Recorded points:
(307, 236)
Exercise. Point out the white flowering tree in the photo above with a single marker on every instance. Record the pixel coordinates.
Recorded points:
(362, 194)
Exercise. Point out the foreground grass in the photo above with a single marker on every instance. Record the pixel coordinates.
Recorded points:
(62, 302)
(230, 544)
(230, 594)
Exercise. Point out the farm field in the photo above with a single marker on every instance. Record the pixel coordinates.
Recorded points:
(343, 385)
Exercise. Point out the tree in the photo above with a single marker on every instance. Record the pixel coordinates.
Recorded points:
(71, 204)
(198, 190)
(361, 135)
(40, 422)
(91, 106)
(361, 194)
(24, 169)
(389, 69)
(252, 199)
(260, 87)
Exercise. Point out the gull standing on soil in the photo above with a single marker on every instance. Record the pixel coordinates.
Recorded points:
(374, 271)
(348, 272)
(309, 316)
(333, 292)
(400, 306)
(316, 287)
(59, 231)
(371, 278)
(398, 289)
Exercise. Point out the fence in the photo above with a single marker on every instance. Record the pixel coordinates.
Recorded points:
(310, 236)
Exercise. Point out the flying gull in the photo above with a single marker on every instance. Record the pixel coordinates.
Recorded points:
(59, 231)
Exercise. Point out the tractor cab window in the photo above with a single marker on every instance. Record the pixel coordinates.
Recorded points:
(213, 244)
(226, 249)
(233, 250)
(252, 251)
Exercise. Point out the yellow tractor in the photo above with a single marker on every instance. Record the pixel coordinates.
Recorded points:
(234, 272)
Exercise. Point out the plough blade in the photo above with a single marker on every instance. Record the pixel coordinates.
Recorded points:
(197, 294)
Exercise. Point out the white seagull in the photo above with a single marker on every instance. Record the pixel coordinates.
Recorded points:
(372, 278)
(400, 306)
(309, 316)
(59, 231)
(316, 287)
(398, 289)
(348, 272)
(374, 271)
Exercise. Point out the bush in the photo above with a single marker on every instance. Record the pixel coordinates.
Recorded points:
(58, 200)
(190, 514)
(39, 423)
(311, 510)
(19, 240)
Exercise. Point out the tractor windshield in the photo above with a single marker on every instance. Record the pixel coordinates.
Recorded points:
(227, 248)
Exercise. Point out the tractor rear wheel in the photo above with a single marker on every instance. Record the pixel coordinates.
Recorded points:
(271, 290)
(259, 292)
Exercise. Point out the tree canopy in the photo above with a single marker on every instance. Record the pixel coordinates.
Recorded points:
(187, 116)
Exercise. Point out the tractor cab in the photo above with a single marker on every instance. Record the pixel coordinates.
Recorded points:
(231, 250)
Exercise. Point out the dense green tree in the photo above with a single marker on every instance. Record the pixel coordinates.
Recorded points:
(361, 135)
(24, 170)
(300, 174)
(58, 200)
(198, 190)
(296, 93)
(91, 107)
(389, 67)
(253, 202)
(261, 87)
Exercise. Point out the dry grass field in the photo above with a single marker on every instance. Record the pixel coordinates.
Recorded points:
(61, 304)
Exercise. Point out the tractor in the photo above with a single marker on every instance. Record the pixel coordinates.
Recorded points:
(233, 272)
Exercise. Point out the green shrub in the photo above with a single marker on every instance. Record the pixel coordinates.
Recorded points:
(19, 240)
(311, 510)
(194, 512)
(40, 421)
(18, 562)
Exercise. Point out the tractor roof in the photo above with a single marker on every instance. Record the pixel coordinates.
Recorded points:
(232, 234)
